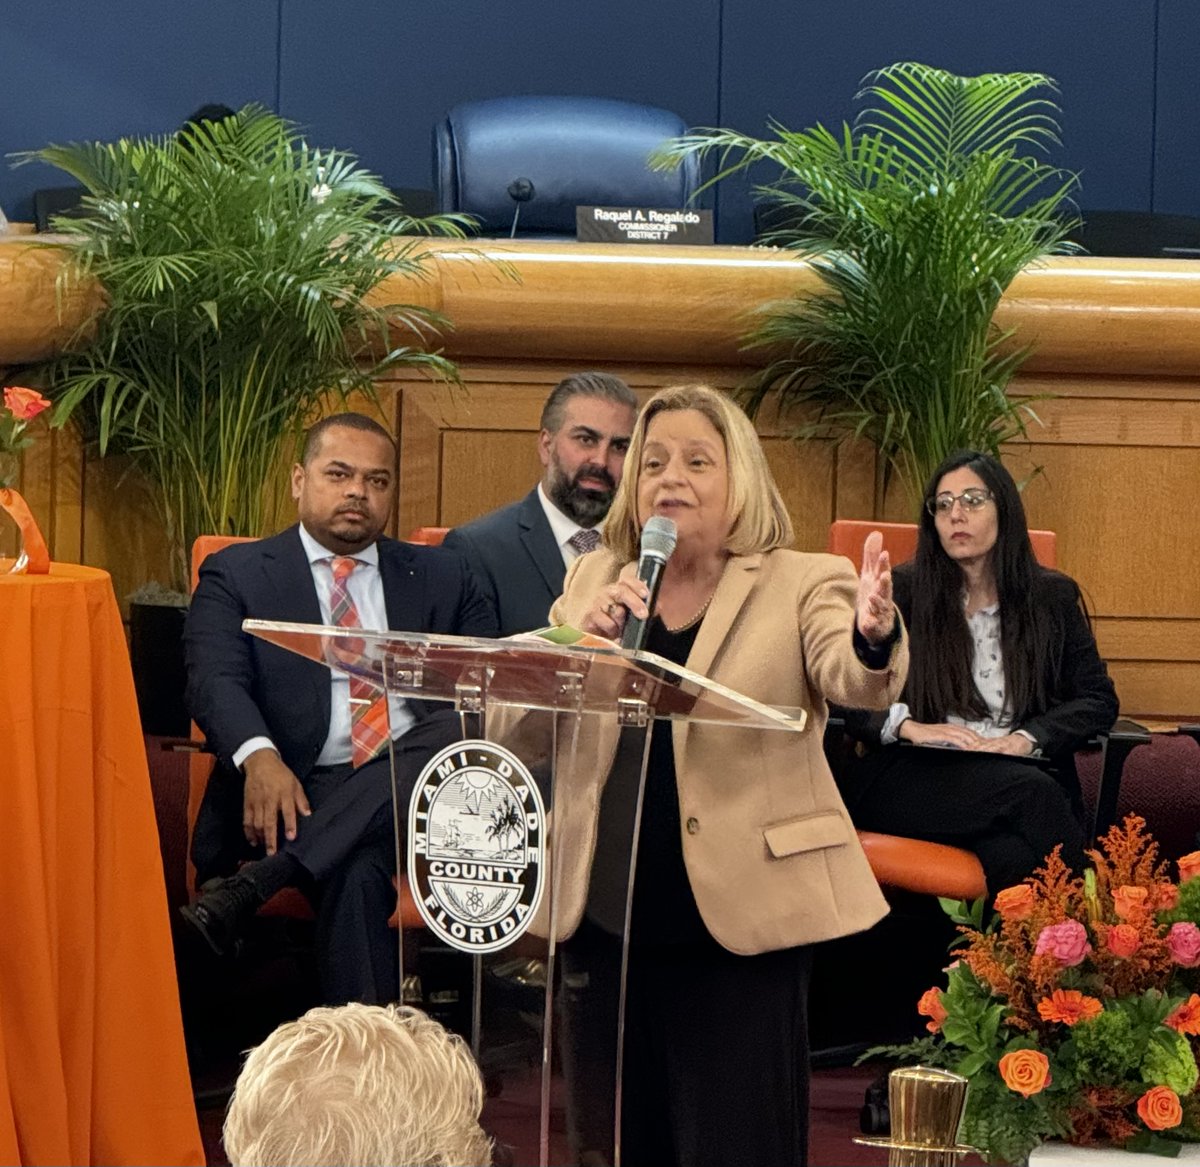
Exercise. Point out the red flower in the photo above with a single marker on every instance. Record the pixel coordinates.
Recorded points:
(24, 404)
(930, 1005)
(1068, 1006)
(1123, 940)
(1186, 1019)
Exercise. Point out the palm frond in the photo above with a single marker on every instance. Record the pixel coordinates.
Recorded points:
(237, 264)
(915, 219)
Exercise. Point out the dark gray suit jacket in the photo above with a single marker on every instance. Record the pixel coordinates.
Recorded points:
(516, 561)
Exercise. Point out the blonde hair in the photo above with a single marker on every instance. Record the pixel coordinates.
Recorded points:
(358, 1084)
(759, 520)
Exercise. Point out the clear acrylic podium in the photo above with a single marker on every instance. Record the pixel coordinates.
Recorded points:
(511, 837)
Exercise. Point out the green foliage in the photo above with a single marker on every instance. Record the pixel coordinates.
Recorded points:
(237, 264)
(916, 220)
(1188, 906)
(1105, 1048)
(1169, 1062)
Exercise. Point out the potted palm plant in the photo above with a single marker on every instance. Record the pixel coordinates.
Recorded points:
(916, 219)
(237, 265)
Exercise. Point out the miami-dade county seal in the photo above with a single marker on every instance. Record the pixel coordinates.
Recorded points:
(475, 842)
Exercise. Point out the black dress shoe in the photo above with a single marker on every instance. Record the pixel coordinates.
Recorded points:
(222, 910)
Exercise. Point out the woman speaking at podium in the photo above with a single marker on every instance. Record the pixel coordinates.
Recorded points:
(746, 854)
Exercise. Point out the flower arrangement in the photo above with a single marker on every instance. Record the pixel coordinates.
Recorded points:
(1075, 1013)
(21, 406)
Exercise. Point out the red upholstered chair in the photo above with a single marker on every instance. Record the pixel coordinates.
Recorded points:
(289, 902)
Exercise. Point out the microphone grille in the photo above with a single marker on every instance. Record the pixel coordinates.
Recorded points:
(658, 537)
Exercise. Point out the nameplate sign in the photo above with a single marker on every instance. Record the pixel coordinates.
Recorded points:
(642, 225)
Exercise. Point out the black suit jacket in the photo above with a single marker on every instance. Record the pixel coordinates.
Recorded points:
(516, 561)
(239, 686)
(1087, 701)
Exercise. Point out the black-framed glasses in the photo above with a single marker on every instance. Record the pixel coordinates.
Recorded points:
(970, 500)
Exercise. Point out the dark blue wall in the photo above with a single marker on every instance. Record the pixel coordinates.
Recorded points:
(373, 75)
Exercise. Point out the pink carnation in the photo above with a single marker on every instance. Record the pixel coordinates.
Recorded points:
(1067, 942)
(1183, 943)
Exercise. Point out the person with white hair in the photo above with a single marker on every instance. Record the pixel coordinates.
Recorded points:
(358, 1084)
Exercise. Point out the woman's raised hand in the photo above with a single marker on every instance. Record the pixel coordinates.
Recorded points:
(875, 613)
(613, 603)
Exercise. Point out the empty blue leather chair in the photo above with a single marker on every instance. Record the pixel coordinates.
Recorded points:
(572, 151)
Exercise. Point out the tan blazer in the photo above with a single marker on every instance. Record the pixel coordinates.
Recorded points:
(770, 851)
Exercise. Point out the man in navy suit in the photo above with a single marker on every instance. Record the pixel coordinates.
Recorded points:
(520, 553)
(301, 784)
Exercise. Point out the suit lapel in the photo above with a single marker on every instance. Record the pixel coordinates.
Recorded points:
(739, 577)
(403, 576)
(289, 575)
(538, 541)
(741, 572)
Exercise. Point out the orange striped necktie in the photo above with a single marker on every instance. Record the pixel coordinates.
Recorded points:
(368, 705)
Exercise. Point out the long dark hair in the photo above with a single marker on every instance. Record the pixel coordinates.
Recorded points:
(940, 679)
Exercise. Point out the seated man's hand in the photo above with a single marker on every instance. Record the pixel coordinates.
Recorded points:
(271, 790)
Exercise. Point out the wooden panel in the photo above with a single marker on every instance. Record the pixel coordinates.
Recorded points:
(480, 467)
(1148, 640)
(1168, 692)
(1123, 520)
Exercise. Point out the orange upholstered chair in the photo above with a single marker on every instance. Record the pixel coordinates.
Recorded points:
(899, 862)
(912, 864)
(289, 902)
(430, 536)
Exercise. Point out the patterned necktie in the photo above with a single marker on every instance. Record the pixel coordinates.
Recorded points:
(585, 539)
(368, 706)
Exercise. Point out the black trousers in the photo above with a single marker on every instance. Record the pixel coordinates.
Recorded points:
(1009, 812)
(347, 851)
(715, 1066)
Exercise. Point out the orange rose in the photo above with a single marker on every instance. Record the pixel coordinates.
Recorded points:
(24, 404)
(1189, 866)
(1026, 1071)
(1068, 1006)
(1186, 1019)
(1123, 940)
(1159, 1108)
(1167, 896)
(1014, 903)
(1130, 902)
(930, 1005)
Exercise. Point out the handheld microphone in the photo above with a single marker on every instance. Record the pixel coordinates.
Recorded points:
(658, 541)
(520, 190)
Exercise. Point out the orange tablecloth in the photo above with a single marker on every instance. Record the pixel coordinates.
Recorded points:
(92, 1060)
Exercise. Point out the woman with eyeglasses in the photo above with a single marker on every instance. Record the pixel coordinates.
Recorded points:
(1004, 671)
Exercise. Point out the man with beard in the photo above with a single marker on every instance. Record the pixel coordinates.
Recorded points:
(520, 553)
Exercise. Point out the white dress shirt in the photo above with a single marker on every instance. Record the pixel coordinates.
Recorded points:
(987, 668)
(563, 528)
(365, 586)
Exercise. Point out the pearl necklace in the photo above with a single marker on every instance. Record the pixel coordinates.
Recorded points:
(695, 619)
